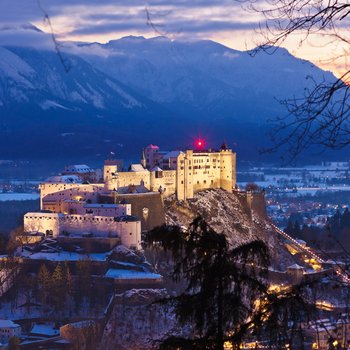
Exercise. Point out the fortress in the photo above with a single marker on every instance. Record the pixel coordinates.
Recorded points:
(116, 203)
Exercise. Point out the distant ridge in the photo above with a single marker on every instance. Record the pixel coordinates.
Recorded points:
(133, 91)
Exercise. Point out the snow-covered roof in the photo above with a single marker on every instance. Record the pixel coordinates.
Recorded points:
(8, 324)
(97, 205)
(64, 179)
(133, 189)
(137, 167)
(78, 168)
(173, 154)
(43, 214)
(156, 168)
(131, 274)
(295, 267)
(44, 329)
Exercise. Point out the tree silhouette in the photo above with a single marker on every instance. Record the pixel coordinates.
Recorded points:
(320, 116)
(222, 284)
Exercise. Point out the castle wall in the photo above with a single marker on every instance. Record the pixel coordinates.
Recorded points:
(133, 178)
(164, 180)
(147, 207)
(42, 222)
(259, 204)
(197, 171)
(52, 193)
(206, 171)
(82, 208)
(101, 226)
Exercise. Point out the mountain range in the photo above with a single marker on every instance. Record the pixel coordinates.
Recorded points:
(87, 99)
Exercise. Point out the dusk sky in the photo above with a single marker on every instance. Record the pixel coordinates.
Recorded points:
(226, 21)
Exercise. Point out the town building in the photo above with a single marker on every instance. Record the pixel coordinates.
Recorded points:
(9, 329)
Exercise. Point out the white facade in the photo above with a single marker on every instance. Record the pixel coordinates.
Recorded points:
(127, 228)
(9, 329)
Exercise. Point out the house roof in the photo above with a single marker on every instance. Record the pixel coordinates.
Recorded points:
(64, 179)
(295, 267)
(78, 168)
(137, 167)
(172, 154)
(8, 324)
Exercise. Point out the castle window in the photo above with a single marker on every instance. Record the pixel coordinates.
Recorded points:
(182, 182)
(205, 181)
(130, 234)
(197, 182)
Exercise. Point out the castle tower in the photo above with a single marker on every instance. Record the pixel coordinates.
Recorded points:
(143, 159)
(110, 174)
(227, 168)
(184, 175)
(151, 153)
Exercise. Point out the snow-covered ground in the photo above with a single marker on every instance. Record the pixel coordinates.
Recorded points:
(13, 196)
(63, 256)
(130, 274)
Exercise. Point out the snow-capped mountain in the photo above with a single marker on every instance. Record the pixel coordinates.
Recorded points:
(206, 77)
(112, 93)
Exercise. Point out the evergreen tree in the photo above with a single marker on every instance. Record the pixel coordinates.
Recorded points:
(14, 343)
(283, 316)
(289, 230)
(84, 280)
(222, 284)
(68, 278)
(335, 222)
(58, 291)
(296, 229)
(44, 281)
(345, 219)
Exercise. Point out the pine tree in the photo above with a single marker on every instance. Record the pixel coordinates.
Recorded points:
(84, 280)
(222, 284)
(68, 278)
(345, 219)
(289, 230)
(59, 288)
(296, 229)
(14, 343)
(44, 284)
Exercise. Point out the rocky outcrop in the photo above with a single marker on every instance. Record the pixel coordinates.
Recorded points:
(234, 214)
(138, 321)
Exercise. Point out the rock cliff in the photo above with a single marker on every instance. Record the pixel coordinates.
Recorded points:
(137, 322)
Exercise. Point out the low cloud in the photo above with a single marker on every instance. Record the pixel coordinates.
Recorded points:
(25, 36)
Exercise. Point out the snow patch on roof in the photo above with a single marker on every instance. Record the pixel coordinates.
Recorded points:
(8, 324)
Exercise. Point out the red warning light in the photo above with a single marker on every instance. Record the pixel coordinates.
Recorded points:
(199, 144)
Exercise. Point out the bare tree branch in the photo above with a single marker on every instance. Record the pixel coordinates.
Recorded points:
(65, 63)
(321, 115)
